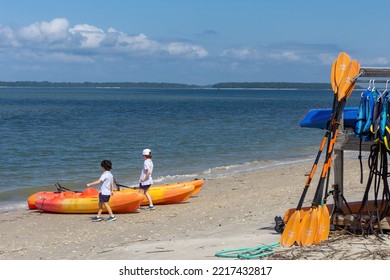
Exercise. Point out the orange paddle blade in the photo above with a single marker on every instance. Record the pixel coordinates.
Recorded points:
(290, 231)
(320, 226)
(354, 72)
(325, 223)
(303, 221)
(309, 228)
(333, 76)
(342, 62)
(347, 83)
(291, 211)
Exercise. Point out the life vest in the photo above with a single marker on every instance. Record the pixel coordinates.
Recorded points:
(376, 119)
(384, 130)
(365, 116)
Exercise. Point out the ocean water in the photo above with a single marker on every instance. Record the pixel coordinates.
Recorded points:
(50, 135)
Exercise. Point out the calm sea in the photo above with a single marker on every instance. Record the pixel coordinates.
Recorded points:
(50, 135)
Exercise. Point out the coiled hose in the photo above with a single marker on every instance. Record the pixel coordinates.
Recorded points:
(248, 253)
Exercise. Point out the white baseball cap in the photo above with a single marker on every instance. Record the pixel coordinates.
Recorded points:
(146, 152)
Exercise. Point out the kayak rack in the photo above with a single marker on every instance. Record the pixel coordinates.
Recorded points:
(373, 72)
(347, 141)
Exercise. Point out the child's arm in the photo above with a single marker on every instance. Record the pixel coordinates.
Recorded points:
(147, 174)
(94, 183)
(112, 187)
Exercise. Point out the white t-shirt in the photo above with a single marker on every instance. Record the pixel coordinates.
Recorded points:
(148, 165)
(107, 178)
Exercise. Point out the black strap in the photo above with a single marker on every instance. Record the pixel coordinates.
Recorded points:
(123, 186)
(61, 188)
(360, 161)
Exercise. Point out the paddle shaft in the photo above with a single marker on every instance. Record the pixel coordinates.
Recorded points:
(328, 158)
(61, 188)
(323, 142)
(124, 186)
(311, 222)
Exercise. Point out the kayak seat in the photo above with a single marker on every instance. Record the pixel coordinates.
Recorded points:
(90, 192)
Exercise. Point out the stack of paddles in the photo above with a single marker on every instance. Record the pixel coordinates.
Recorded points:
(311, 227)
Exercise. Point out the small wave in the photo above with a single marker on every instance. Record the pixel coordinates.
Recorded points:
(249, 167)
(165, 179)
(10, 207)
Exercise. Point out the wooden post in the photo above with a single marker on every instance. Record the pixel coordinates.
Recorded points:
(338, 167)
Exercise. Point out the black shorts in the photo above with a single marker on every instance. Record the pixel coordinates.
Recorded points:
(145, 187)
(104, 198)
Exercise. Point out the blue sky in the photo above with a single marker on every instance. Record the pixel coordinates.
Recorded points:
(196, 42)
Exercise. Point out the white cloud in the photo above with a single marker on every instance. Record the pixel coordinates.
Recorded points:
(283, 53)
(137, 43)
(186, 49)
(84, 39)
(326, 58)
(262, 54)
(284, 56)
(91, 36)
(66, 58)
(54, 31)
(241, 53)
(377, 61)
(7, 37)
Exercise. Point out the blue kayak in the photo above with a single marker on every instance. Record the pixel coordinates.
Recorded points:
(318, 118)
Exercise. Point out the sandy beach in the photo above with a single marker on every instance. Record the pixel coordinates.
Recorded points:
(231, 212)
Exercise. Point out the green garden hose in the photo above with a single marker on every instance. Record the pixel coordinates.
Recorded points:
(248, 253)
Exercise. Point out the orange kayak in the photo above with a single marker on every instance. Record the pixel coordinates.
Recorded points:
(31, 198)
(85, 202)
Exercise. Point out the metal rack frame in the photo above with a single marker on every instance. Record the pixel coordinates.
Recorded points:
(346, 141)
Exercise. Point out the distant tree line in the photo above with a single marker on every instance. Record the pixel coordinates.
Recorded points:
(274, 85)
(231, 85)
(94, 85)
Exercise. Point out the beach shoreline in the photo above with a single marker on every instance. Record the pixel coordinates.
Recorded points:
(230, 212)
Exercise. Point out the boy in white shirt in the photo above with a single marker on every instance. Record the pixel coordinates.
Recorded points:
(106, 190)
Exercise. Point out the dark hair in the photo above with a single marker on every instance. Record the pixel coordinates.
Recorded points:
(106, 164)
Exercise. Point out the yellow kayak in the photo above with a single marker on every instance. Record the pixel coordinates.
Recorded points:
(167, 194)
(198, 184)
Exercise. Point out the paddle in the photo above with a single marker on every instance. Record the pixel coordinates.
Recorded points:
(323, 225)
(291, 232)
(123, 186)
(316, 227)
(323, 211)
(61, 188)
(315, 220)
(339, 67)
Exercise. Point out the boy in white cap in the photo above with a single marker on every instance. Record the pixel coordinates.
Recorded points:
(145, 180)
